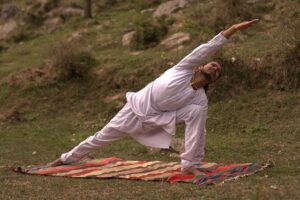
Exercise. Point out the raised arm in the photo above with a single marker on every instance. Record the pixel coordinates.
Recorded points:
(237, 27)
(202, 53)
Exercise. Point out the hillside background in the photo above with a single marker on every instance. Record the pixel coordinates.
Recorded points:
(63, 76)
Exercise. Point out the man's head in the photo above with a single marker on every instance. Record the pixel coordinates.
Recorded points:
(204, 75)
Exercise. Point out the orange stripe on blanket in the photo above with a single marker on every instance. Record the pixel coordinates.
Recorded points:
(109, 165)
(72, 167)
(87, 172)
(136, 169)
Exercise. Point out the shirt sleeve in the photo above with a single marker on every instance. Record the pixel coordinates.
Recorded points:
(202, 53)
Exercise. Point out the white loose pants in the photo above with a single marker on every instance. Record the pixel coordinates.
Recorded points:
(194, 117)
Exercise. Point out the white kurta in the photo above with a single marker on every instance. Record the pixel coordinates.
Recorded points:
(151, 114)
(157, 103)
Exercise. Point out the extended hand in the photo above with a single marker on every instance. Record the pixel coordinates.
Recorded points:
(237, 27)
(244, 25)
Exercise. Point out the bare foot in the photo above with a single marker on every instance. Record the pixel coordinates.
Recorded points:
(208, 167)
(59, 162)
(55, 163)
(192, 170)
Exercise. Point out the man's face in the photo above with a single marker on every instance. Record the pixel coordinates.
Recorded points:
(204, 75)
(213, 69)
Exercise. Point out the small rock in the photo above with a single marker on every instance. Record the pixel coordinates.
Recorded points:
(101, 72)
(114, 97)
(148, 10)
(178, 48)
(257, 59)
(9, 11)
(7, 28)
(279, 152)
(99, 27)
(53, 24)
(176, 40)
(267, 18)
(74, 36)
(64, 12)
(274, 187)
(170, 64)
(69, 12)
(135, 53)
(129, 38)
(34, 152)
(233, 59)
(253, 1)
(169, 7)
(178, 24)
(2, 117)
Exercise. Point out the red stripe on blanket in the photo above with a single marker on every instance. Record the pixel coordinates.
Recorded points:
(68, 168)
(154, 174)
(92, 170)
(180, 177)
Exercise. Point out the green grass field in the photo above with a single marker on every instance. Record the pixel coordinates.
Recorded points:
(251, 118)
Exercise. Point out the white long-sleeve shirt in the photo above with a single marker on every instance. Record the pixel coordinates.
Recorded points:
(156, 104)
(150, 114)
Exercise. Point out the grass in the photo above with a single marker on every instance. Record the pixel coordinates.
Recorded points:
(242, 129)
(246, 123)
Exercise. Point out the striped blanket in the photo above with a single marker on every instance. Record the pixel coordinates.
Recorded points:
(114, 167)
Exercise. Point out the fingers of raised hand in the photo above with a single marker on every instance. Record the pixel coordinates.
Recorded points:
(253, 21)
(245, 24)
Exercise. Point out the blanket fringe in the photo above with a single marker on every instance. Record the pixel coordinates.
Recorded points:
(265, 166)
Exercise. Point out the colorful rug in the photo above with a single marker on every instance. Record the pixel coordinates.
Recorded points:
(145, 170)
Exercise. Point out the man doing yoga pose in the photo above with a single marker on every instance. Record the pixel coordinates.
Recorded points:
(151, 114)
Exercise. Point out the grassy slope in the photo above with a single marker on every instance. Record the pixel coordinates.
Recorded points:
(253, 125)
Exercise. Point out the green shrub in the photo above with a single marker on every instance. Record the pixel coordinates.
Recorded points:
(218, 14)
(3, 47)
(20, 34)
(144, 4)
(70, 60)
(149, 31)
(230, 11)
(35, 18)
(285, 69)
(36, 13)
(237, 76)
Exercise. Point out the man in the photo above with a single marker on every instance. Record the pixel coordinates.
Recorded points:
(151, 114)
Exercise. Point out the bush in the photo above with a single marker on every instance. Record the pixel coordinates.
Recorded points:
(35, 18)
(284, 65)
(36, 13)
(218, 14)
(237, 76)
(231, 11)
(70, 60)
(21, 34)
(3, 47)
(149, 31)
(144, 4)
